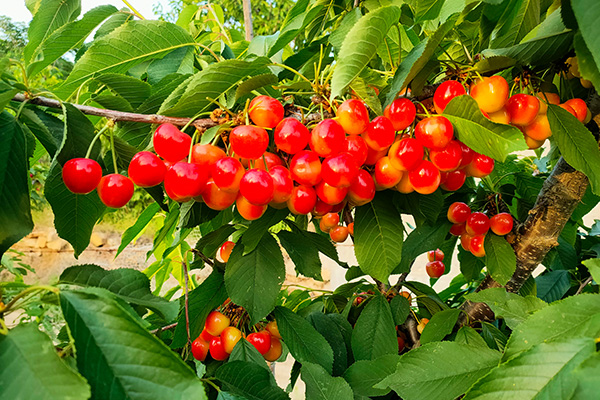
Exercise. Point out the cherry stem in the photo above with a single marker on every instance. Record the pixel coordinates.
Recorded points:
(427, 113)
(91, 146)
(194, 137)
(294, 71)
(114, 153)
(246, 115)
(265, 162)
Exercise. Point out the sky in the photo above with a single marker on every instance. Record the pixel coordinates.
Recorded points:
(16, 9)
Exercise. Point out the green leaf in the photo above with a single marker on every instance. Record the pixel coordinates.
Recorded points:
(295, 22)
(254, 83)
(31, 369)
(422, 239)
(363, 375)
(367, 94)
(400, 307)
(15, 213)
(338, 35)
(7, 93)
(210, 244)
(587, 378)
(304, 342)
(519, 18)
(500, 258)
(576, 144)
(194, 213)
(133, 90)
(249, 380)
(109, 338)
(258, 228)
(378, 236)
(123, 49)
(374, 333)
(426, 10)
(573, 317)
(553, 285)
(469, 336)
(130, 285)
(422, 372)
(481, 134)
(593, 265)
(585, 59)
(544, 371)
(426, 297)
(332, 333)
(253, 280)
(140, 224)
(244, 351)
(306, 258)
(360, 45)
(440, 325)
(587, 13)
(470, 266)
(322, 386)
(66, 38)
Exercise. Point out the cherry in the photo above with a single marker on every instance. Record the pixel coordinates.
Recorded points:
(265, 111)
(465, 241)
(401, 344)
(327, 138)
(386, 176)
(206, 155)
(425, 178)
(229, 337)
(545, 99)
(336, 208)
(406, 154)
(446, 92)
(362, 189)
(274, 351)
(305, 168)
(569, 109)
(271, 159)
(522, 108)
(216, 198)
(247, 210)
(500, 117)
(321, 208)
(379, 134)
(146, 169)
(216, 322)
(373, 156)
(422, 324)
(501, 224)
(249, 141)
(351, 228)
(435, 269)
(200, 349)
(330, 194)
(339, 234)
(273, 329)
(401, 112)
(170, 143)
(207, 337)
(533, 144)
(353, 116)
(406, 295)
(282, 183)
(480, 166)
(302, 200)
(447, 158)
(261, 341)
(458, 229)
(186, 180)
(357, 147)
(476, 246)
(227, 174)
(328, 221)
(404, 186)
(435, 255)
(225, 251)
(291, 136)
(339, 170)
(579, 107)
(257, 187)
(217, 349)
(115, 190)
(477, 224)
(453, 180)
(490, 93)
(458, 213)
(434, 132)
(539, 128)
(467, 155)
(81, 175)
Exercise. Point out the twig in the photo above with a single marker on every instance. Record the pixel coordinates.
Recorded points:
(411, 327)
(187, 309)
(583, 285)
(203, 257)
(163, 328)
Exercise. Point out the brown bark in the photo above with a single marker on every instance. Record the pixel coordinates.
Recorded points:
(249, 29)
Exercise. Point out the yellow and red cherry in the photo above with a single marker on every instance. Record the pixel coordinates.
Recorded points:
(490, 93)
(327, 138)
(305, 168)
(330, 194)
(434, 132)
(425, 177)
(477, 224)
(351, 228)
(406, 154)
(170, 143)
(353, 116)
(303, 200)
(225, 252)
(480, 166)
(386, 175)
(362, 189)
(435, 255)
(216, 198)
(501, 224)
(115, 190)
(580, 108)
(186, 180)
(539, 128)
(458, 213)
(207, 337)
(217, 349)
(533, 144)
(271, 159)
(257, 187)
(261, 341)
(569, 109)
(339, 234)
(356, 146)
(401, 112)
(422, 324)
(500, 117)
(522, 108)
(249, 141)
(227, 174)
(373, 155)
(447, 158)
(476, 245)
(273, 329)
(321, 208)
(446, 92)
(291, 136)
(265, 111)
(453, 180)
(328, 221)
(200, 349)
(146, 169)
(247, 210)
(274, 351)
(404, 186)
(465, 241)
(339, 170)
(380, 134)
(466, 156)
(230, 337)
(282, 183)
(435, 269)
(216, 322)
(206, 155)
(81, 175)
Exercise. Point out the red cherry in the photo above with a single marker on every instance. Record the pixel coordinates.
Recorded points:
(569, 109)
(336, 208)
(225, 250)
(261, 341)
(305, 168)
(435, 269)
(379, 134)
(538, 129)
(458, 229)
(339, 234)
(321, 208)
(401, 112)
(206, 155)
(216, 322)
(447, 158)
(501, 224)
(467, 155)
(453, 180)
(217, 349)
(327, 138)
(265, 111)
(81, 175)
(353, 116)
(146, 169)
(329, 221)
(274, 351)
(271, 159)
(579, 107)
(477, 224)
(230, 337)
(434, 132)
(282, 183)
(351, 228)
(446, 92)
(500, 117)
(465, 241)
(302, 200)
(249, 141)
(186, 180)
(115, 190)
(362, 189)
(291, 136)
(406, 154)
(216, 198)
(247, 210)
(170, 143)
(458, 213)
(386, 176)
(227, 174)
(357, 147)
(257, 187)
(490, 93)
(207, 337)
(340, 170)
(373, 156)
(522, 108)
(476, 246)
(480, 166)
(425, 178)
(404, 186)
(200, 349)
(435, 255)
(330, 194)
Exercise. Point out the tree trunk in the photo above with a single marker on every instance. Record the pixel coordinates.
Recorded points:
(248, 20)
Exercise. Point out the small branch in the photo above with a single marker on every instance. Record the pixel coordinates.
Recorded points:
(164, 328)
(583, 285)
(410, 326)
(203, 257)
(187, 305)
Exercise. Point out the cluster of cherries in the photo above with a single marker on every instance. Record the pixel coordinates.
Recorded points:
(435, 266)
(219, 338)
(472, 227)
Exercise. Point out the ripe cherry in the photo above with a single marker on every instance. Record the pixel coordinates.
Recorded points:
(458, 229)
(476, 246)
(216, 323)
(569, 109)
(532, 143)
(467, 155)
(465, 241)
(328, 221)
(186, 180)
(401, 112)
(249, 141)
(146, 169)
(351, 228)
(274, 351)
(422, 324)
(435, 269)
(580, 108)
(434, 132)
(115, 190)
(207, 337)
(379, 134)
(477, 224)
(539, 128)
(327, 138)
(261, 341)
(336, 208)
(404, 186)
(321, 208)
(545, 99)
(340, 170)
(271, 159)
(447, 158)
(216, 198)
(401, 344)
(353, 116)
(257, 187)
(225, 251)
(305, 168)
(330, 194)
(425, 178)
(458, 213)
(480, 166)
(227, 174)
(522, 108)
(302, 200)
(362, 189)
(406, 154)
(291, 136)
(206, 155)
(373, 156)
(453, 180)
(229, 337)
(282, 183)
(170, 143)
(265, 111)
(386, 176)
(273, 329)
(435, 255)
(247, 210)
(357, 147)
(200, 349)
(500, 117)
(217, 349)
(490, 93)
(81, 175)
(501, 224)
(339, 234)
(446, 92)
